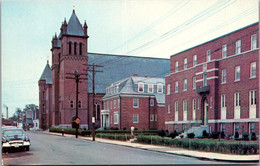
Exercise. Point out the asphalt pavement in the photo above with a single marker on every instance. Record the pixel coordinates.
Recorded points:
(173, 150)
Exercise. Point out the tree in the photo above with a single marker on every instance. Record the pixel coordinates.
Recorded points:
(30, 108)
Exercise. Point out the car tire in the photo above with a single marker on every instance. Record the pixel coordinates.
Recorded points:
(3, 150)
(27, 148)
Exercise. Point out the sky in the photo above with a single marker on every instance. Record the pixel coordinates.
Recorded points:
(147, 28)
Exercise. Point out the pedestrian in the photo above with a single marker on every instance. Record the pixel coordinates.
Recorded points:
(132, 130)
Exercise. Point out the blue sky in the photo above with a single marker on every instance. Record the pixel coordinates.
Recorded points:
(156, 28)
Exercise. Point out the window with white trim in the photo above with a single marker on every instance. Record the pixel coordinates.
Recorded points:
(253, 70)
(135, 102)
(252, 97)
(160, 88)
(237, 73)
(151, 117)
(169, 108)
(140, 87)
(116, 118)
(252, 127)
(238, 46)
(114, 103)
(185, 85)
(152, 102)
(208, 55)
(194, 82)
(185, 107)
(224, 51)
(108, 105)
(237, 99)
(205, 82)
(176, 106)
(194, 60)
(223, 127)
(253, 41)
(135, 118)
(176, 87)
(185, 63)
(223, 101)
(168, 89)
(224, 76)
(176, 66)
(150, 88)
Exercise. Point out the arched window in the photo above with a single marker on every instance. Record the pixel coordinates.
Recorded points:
(98, 112)
(75, 48)
(79, 104)
(80, 48)
(69, 47)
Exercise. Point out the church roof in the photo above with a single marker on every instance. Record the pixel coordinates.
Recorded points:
(74, 27)
(118, 67)
(46, 74)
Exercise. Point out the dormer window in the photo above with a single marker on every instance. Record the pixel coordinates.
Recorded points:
(150, 88)
(140, 87)
(160, 88)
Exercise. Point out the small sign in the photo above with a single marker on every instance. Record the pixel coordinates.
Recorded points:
(77, 120)
(93, 119)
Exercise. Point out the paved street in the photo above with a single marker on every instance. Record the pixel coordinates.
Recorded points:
(51, 149)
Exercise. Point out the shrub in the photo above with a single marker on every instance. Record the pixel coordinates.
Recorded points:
(236, 135)
(253, 137)
(205, 134)
(246, 136)
(162, 133)
(222, 135)
(173, 134)
(215, 135)
(122, 137)
(191, 135)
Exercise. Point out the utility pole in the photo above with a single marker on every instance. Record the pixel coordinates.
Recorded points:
(76, 78)
(93, 70)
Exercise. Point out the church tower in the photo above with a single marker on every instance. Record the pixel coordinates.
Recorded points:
(69, 54)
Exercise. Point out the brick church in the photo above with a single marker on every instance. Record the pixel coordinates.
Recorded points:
(57, 94)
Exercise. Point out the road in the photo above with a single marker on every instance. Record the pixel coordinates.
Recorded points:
(57, 150)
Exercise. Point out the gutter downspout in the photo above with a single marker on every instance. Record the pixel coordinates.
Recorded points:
(149, 113)
(120, 112)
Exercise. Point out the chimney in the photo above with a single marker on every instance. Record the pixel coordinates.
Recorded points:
(135, 75)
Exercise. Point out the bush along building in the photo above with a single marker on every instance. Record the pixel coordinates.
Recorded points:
(214, 86)
(57, 94)
(134, 101)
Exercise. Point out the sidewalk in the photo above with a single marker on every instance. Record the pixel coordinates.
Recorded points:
(170, 150)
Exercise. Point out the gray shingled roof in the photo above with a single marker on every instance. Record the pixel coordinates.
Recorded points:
(46, 74)
(118, 67)
(74, 27)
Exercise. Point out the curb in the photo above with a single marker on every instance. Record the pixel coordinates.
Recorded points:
(172, 153)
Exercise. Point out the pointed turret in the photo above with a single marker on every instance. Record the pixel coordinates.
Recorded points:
(85, 27)
(54, 41)
(46, 74)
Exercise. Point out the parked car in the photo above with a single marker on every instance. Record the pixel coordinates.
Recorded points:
(15, 138)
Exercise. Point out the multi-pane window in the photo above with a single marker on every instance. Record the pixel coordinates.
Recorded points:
(205, 83)
(151, 117)
(176, 87)
(185, 105)
(185, 63)
(135, 118)
(223, 127)
(160, 88)
(176, 66)
(116, 118)
(252, 96)
(150, 88)
(224, 51)
(238, 46)
(223, 101)
(151, 102)
(252, 127)
(194, 82)
(237, 73)
(169, 108)
(185, 85)
(114, 103)
(253, 70)
(208, 55)
(176, 106)
(224, 76)
(194, 104)
(253, 42)
(194, 60)
(237, 99)
(135, 102)
(140, 87)
(237, 127)
(79, 104)
(168, 89)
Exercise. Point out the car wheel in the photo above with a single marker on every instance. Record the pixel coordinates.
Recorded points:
(3, 150)
(27, 148)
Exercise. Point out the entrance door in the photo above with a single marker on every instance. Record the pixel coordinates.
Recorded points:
(205, 112)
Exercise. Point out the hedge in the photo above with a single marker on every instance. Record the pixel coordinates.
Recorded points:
(223, 146)
(122, 137)
(70, 131)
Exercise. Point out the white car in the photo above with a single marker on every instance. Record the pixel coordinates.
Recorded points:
(15, 138)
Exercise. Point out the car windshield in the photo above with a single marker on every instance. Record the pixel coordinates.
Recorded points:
(13, 132)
